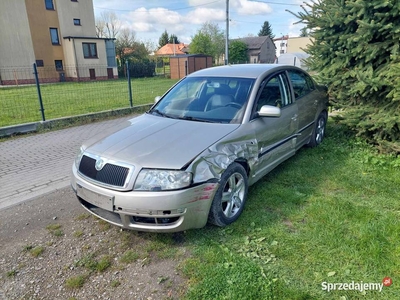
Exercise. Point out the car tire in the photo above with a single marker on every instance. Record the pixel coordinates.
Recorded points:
(230, 198)
(318, 132)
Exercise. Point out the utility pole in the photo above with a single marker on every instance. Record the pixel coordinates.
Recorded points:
(227, 33)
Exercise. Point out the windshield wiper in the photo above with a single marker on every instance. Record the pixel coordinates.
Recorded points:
(195, 119)
(162, 114)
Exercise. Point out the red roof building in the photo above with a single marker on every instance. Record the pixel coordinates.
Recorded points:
(172, 49)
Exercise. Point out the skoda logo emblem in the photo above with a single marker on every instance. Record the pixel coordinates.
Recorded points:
(99, 164)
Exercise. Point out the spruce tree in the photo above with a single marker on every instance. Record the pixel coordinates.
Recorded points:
(266, 30)
(173, 39)
(164, 39)
(356, 54)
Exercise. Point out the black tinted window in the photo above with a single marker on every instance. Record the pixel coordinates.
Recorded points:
(301, 82)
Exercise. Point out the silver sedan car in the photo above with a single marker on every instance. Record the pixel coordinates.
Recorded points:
(190, 159)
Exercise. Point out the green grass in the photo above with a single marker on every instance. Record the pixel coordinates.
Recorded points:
(55, 229)
(329, 214)
(34, 251)
(90, 262)
(129, 256)
(37, 251)
(21, 105)
(75, 282)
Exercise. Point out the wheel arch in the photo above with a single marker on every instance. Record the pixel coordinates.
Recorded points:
(244, 163)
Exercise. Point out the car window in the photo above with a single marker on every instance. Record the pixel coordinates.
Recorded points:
(275, 92)
(301, 82)
(207, 99)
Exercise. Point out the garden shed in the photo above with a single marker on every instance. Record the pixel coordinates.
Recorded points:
(182, 65)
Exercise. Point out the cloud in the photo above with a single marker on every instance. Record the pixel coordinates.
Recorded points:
(245, 7)
(294, 29)
(149, 20)
(202, 15)
(207, 3)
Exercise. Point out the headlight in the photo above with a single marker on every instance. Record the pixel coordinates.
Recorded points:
(79, 157)
(160, 180)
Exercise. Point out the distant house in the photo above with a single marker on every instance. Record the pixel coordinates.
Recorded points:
(298, 44)
(260, 49)
(172, 49)
(281, 45)
(286, 44)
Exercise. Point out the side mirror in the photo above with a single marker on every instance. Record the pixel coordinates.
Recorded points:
(156, 99)
(269, 111)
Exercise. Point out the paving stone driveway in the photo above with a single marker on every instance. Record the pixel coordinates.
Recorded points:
(37, 164)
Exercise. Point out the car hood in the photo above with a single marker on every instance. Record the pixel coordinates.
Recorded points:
(157, 142)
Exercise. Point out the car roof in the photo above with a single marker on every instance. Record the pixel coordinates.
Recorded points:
(241, 70)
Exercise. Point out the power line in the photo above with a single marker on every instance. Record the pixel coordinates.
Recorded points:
(166, 9)
(276, 3)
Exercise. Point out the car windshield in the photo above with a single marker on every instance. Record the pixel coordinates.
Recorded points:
(206, 99)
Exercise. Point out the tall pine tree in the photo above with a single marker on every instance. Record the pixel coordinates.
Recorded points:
(266, 30)
(357, 55)
(164, 39)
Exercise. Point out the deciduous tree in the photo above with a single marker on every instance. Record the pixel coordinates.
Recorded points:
(238, 52)
(209, 40)
(128, 48)
(107, 25)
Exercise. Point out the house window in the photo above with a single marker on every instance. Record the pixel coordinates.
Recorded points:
(282, 51)
(59, 65)
(49, 4)
(77, 22)
(54, 36)
(74, 0)
(39, 63)
(89, 50)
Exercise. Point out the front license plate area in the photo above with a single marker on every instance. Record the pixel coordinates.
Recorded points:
(99, 200)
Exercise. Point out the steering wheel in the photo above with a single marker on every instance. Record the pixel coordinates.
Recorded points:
(234, 104)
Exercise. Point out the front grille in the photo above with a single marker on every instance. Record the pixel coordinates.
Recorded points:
(110, 174)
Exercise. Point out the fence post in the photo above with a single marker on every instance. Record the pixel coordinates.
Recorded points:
(38, 91)
(129, 83)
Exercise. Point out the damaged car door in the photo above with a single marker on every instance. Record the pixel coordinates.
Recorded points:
(275, 123)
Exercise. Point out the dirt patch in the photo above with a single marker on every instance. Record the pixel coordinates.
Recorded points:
(52, 249)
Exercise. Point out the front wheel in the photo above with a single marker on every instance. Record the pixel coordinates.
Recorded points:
(230, 197)
(319, 131)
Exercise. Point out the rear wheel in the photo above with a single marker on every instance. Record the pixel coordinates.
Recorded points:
(230, 197)
(319, 131)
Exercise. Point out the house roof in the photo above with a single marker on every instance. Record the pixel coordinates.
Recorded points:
(191, 55)
(168, 49)
(254, 42)
(285, 37)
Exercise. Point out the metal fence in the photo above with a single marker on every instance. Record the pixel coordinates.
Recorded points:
(39, 93)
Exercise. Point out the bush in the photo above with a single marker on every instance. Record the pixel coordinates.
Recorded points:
(138, 69)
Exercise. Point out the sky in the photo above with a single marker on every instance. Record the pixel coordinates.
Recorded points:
(149, 19)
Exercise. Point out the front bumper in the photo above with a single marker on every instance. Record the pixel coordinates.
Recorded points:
(161, 211)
